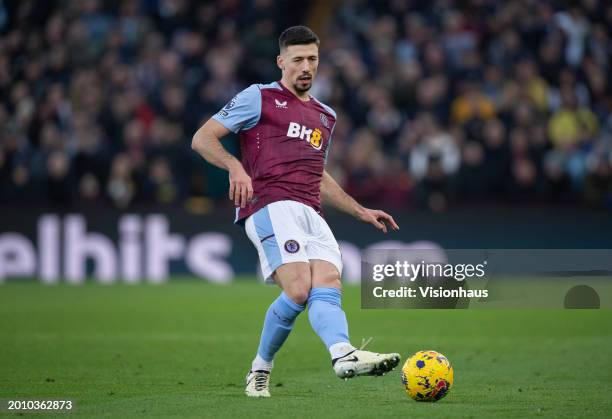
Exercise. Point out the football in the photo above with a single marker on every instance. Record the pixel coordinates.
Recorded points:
(427, 376)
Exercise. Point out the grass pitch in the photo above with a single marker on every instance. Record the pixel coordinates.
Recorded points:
(183, 349)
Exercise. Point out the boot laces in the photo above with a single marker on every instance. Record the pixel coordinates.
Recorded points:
(261, 381)
(365, 342)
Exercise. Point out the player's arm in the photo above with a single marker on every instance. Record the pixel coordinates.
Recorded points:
(242, 112)
(206, 142)
(334, 195)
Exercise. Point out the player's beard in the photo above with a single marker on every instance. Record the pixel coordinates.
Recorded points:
(302, 86)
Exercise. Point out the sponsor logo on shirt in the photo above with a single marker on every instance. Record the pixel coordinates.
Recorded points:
(280, 105)
(313, 136)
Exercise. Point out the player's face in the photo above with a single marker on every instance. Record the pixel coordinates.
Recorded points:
(299, 64)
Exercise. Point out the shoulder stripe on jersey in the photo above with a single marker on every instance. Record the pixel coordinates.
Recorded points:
(273, 85)
(327, 108)
(243, 111)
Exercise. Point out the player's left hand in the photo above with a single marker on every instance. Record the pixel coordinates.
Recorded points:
(378, 219)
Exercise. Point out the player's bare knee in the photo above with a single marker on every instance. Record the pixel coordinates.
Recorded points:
(298, 290)
(333, 283)
(295, 280)
(327, 279)
(325, 275)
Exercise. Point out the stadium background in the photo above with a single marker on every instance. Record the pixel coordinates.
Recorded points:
(462, 111)
(477, 124)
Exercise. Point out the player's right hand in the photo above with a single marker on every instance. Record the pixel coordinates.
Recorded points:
(241, 187)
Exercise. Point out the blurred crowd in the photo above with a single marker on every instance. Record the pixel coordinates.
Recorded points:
(440, 103)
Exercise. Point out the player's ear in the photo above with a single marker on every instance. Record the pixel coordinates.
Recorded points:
(280, 62)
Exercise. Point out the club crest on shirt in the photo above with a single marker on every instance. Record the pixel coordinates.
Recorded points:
(292, 246)
(324, 120)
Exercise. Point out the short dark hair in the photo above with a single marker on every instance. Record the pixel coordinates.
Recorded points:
(297, 35)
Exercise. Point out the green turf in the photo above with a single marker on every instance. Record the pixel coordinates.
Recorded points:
(182, 349)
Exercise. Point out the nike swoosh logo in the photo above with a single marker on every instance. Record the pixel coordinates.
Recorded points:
(351, 359)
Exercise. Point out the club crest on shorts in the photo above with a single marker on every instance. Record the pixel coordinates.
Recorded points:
(292, 246)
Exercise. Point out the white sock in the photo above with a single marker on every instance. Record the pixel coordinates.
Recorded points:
(340, 349)
(261, 364)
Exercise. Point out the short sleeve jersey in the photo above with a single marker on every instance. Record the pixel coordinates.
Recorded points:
(284, 143)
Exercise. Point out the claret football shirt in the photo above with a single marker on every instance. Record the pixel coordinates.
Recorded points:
(284, 143)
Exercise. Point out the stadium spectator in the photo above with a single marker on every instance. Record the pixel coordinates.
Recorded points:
(98, 99)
